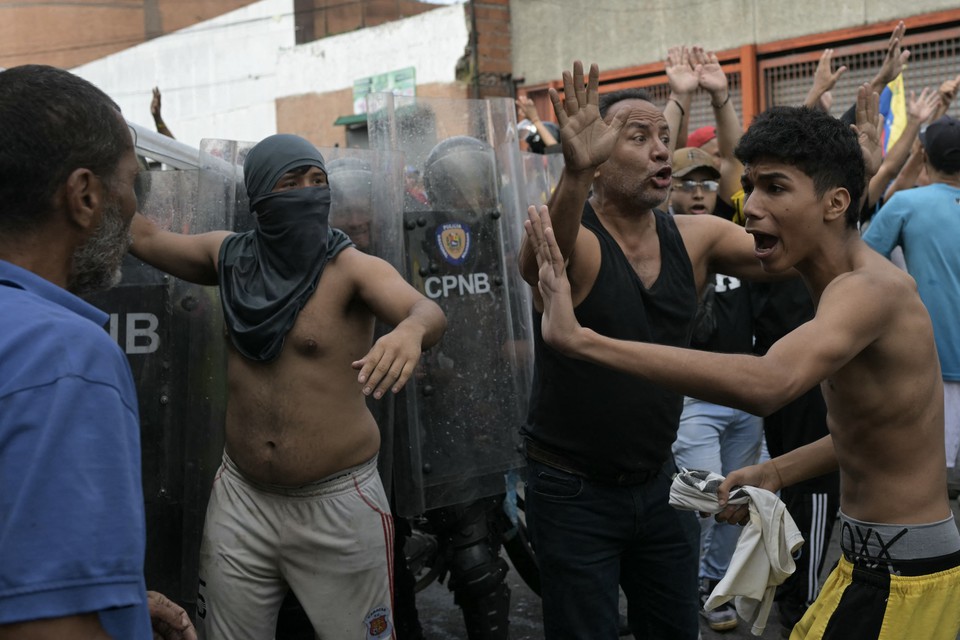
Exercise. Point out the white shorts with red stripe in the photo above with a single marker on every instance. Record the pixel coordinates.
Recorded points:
(330, 541)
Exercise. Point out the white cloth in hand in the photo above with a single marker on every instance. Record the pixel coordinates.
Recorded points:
(763, 558)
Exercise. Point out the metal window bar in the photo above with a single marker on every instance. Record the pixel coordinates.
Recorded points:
(930, 63)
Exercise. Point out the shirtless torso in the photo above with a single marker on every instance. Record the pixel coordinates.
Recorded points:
(302, 416)
(885, 406)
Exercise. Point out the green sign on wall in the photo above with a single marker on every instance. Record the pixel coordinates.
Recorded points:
(402, 82)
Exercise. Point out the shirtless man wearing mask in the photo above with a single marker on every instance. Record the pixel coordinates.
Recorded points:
(298, 502)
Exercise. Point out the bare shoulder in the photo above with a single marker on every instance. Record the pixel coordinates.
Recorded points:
(361, 266)
(372, 278)
(875, 293)
(874, 277)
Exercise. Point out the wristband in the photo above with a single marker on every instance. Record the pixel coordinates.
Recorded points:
(722, 104)
(679, 106)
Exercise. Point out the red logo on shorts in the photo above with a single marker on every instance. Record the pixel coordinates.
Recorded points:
(378, 623)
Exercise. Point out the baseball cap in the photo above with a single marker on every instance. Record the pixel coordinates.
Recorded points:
(941, 141)
(701, 136)
(688, 159)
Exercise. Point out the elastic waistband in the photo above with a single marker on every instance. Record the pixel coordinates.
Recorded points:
(536, 452)
(331, 484)
(906, 549)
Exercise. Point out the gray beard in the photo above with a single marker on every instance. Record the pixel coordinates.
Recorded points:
(96, 263)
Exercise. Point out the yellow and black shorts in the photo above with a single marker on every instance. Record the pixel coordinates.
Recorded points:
(859, 602)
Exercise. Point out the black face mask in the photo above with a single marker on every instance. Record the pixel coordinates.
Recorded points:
(268, 274)
(292, 226)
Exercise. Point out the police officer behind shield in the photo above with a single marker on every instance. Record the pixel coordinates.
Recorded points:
(461, 185)
(299, 470)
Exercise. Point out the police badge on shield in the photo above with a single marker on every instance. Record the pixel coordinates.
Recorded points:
(378, 623)
(453, 238)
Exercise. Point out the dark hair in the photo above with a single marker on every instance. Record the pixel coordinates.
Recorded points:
(816, 143)
(607, 100)
(51, 123)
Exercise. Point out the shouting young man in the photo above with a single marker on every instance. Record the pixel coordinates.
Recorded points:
(870, 347)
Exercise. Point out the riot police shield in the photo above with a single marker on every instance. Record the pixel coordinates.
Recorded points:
(221, 191)
(541, 174)
(465, 406)
(170, 331)
(366, 196)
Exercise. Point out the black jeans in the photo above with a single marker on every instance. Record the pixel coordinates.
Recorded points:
(591, 538)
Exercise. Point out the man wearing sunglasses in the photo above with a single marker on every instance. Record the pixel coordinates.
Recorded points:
(695, 182)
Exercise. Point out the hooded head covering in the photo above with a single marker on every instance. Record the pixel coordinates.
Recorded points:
(268, 274)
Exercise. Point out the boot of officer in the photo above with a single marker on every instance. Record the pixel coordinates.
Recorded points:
(459, 175)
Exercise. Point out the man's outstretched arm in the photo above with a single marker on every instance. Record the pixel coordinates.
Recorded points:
(850, 316)
(189, 257)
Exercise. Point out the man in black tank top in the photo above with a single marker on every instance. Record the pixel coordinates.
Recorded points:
(597, 441)
(870, 347)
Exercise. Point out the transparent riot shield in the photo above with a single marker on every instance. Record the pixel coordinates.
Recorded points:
(541, 174)
(366, 198)
(170, 331)
(221, 191)
(459, 432)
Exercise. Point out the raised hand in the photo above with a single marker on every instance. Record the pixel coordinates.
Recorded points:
(587, 140)
(528, 109)
(712, 79)
(867, 128)
(155, 105)
(922, 109)
(947, 92)
(559, 324)
(824, 78)
(680, 73)
(894, 60)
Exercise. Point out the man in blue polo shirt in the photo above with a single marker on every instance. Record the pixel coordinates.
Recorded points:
(72, 529)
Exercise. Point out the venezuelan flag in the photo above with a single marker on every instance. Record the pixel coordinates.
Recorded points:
(893, 107)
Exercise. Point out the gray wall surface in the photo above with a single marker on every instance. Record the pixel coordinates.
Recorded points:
(547, 35)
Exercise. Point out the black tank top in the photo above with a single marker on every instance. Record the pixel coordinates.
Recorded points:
(604, 420)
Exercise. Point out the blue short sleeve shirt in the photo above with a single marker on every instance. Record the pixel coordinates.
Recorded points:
(925, 222)
(72, 528)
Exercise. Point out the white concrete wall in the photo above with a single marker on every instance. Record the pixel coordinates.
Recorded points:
(221, 78)
(217, 78)
(548, 36)
(432, 42)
